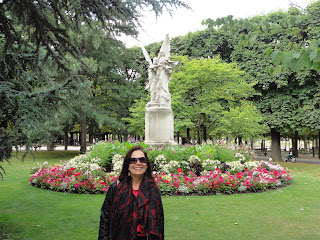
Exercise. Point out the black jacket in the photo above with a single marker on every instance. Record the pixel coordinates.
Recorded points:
(105, 210)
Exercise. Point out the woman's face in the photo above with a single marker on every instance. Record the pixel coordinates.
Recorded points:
(137, 169)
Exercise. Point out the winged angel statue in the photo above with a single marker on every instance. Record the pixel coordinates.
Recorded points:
(159, 75)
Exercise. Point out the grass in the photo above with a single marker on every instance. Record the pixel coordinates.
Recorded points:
(288, 213)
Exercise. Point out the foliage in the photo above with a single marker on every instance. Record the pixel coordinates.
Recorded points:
(275, 51)
(136, 119)
(298, 24)
(244, 120)
(43, 59)
(202, 89)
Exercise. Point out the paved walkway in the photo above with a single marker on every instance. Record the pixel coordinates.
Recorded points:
(313, 160)
(58, 148)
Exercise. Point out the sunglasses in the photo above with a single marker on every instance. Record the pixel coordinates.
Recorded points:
(135, 160)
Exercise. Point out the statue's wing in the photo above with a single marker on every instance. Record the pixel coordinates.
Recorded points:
(146, 55)
(166, 46)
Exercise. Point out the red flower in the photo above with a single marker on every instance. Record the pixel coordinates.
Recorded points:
(103, 183)
(179, 170)
(77, 174)
(72, 168)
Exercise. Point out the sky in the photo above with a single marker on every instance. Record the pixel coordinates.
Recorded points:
(183, 21)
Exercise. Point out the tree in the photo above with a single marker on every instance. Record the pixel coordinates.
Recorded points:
(244, 121)
(282, 93)
(202, 89)
(36, 33)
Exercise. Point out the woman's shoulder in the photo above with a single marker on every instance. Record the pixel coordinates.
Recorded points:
(113, 186)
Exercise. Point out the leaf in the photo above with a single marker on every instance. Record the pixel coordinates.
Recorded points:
(316, 65)
(296, 55)
(268, 51)
(286, 58)
(252, 40)
(314, 45)
(271, 70)
(304, 55)
(296, 64)
(275, 57)
(313, 55)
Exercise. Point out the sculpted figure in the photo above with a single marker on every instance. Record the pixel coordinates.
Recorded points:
(159, 74)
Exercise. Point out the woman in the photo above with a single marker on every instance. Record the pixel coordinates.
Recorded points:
(133, 208)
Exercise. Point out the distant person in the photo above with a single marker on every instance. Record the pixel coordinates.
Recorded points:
(290, 155)
(132, 209)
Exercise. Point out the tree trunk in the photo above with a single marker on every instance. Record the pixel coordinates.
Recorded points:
(204, 129)
(318, 147)
(91, 138)
(275, 145)
(125, 137)
(83, 134)
(188, 135)
(305, 143)
(72, 139)
(295, 144)
(199, 138)
(65, 140)
(50, 144)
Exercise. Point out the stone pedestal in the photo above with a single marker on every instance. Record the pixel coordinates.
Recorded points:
(159, 128)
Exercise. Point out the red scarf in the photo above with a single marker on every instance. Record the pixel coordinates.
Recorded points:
(128, 211)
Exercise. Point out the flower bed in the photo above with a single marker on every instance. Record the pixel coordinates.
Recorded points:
(193, 174)
(255, 179)
(66, 178)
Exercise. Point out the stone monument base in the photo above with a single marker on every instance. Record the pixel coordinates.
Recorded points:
(159, 129)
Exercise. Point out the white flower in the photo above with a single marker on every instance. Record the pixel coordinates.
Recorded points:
(235, 166)
(210, 165)
(183, 189)
(194, 159)
(117, 162)
(252, 164)
(160, 161)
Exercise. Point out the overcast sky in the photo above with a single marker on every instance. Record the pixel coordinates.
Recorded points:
(184, 21)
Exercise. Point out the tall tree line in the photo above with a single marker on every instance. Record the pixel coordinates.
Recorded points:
(267, 48)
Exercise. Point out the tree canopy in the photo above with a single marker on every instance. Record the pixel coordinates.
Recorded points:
(42, 65)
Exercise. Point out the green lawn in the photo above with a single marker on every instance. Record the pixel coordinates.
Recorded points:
(288, 213)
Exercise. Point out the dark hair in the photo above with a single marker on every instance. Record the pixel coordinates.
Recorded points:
(125, 166)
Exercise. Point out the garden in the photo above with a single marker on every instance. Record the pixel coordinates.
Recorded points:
(285, 213)
(182, 170)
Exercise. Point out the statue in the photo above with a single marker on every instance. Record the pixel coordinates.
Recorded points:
(159, 119)
(159, 75)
